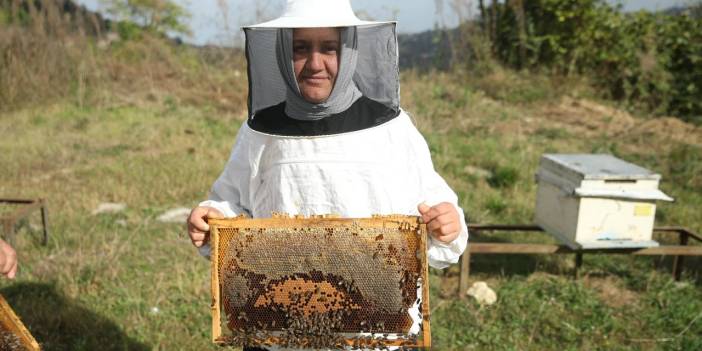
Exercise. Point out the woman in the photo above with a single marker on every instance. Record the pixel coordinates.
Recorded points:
(325, 133)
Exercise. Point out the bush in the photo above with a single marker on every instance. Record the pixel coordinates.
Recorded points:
(680, 48)
(651, 61)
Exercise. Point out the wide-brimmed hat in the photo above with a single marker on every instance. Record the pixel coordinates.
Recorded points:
(317, 13)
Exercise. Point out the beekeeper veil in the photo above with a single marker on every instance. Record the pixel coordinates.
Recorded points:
(369, 46)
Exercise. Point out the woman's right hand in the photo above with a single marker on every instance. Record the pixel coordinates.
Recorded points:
(8, 260)
(198, 229)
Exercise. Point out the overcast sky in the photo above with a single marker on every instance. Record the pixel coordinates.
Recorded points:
(209, 23)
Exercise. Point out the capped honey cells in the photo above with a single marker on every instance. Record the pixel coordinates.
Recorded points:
(320, 282)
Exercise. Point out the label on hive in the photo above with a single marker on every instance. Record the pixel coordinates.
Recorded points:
(318, 282)
(644, 210)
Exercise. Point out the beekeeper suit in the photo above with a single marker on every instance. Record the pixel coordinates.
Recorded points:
(355, 154)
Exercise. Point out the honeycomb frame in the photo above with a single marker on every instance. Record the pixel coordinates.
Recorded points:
(10, 323)
(330, 307)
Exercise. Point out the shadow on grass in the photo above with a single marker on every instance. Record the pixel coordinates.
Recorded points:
(691, 267)
(59, 323)
(517, 264)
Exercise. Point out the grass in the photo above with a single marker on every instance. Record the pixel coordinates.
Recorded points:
(128, 282)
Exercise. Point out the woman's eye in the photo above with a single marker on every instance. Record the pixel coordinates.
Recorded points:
(331, 48)
(299, 48)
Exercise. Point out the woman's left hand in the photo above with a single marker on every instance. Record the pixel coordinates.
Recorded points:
(442, 220)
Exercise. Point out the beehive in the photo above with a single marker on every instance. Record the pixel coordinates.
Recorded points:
(320, 282)
(13, 334)
(597, 201)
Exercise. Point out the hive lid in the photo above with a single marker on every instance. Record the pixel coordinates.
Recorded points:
(595, 166)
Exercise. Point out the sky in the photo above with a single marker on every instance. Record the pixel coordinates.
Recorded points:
(218, 21)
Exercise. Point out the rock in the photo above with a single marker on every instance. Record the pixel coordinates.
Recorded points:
(482, 293)
(176, 215)
(109, 207)
(478, 172)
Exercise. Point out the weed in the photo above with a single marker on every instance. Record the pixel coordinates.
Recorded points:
(503, 176)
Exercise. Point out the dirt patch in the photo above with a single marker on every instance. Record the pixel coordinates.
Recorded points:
(585, 116)
(591, 119)
(449, 287)
(536, 276)
(611, 291)
(666, 129)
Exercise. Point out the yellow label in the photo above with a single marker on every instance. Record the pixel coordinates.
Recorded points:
(643, 210)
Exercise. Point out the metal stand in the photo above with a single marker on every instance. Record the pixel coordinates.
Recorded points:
(678, 251)
(25, 209)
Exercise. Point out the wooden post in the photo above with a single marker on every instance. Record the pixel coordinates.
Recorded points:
(44, 221)
(678, 260)
(465, 272)
(578, 264)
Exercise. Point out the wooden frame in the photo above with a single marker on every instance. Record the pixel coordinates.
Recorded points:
(492, 248)
(10, 322)
(396, 223)
(25, 208)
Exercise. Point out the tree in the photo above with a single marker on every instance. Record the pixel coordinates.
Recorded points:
(161, 16)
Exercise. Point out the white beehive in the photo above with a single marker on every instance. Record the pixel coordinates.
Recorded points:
(598, 201)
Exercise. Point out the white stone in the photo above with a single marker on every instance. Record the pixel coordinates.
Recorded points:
(176, 215)
(482, 293)
(476, 171)
(109, 207)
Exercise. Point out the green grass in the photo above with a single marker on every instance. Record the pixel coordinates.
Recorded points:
(127, 282)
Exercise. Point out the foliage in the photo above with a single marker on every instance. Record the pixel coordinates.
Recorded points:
(680, 45)
(649, 60)
(161, 16)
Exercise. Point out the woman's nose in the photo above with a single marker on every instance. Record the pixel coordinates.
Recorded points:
(315, 61)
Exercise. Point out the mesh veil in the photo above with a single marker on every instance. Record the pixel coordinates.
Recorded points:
(376, 75)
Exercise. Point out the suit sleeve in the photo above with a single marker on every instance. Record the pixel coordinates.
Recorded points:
(435, 190)
(230, 191)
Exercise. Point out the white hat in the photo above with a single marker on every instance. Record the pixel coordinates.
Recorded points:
(317, 13)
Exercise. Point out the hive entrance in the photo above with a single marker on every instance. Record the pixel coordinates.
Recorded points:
(320, 282)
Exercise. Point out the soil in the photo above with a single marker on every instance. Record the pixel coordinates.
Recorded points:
(591, 119)
(611, 291)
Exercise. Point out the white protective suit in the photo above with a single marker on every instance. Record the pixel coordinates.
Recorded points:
(381, 170)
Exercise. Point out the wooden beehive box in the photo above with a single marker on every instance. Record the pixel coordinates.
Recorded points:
(320, 282)
(596, 201)
(13, 334)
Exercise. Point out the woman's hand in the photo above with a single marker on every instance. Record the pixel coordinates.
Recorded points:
(198, 229)
(442, 220)
(8, 260)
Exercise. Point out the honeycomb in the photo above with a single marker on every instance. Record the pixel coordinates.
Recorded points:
(319, 282)
(14, 336)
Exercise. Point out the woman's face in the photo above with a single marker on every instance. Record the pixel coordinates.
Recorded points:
(316, 61)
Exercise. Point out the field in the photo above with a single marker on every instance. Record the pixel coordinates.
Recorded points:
(126, 281)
